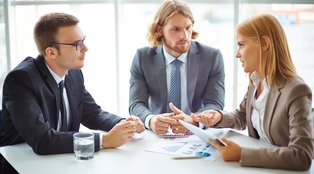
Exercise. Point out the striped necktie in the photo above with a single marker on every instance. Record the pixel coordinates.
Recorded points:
(175, 84)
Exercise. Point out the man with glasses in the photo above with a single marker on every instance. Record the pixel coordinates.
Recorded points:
(45, 100)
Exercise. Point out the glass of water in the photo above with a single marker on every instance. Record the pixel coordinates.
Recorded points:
(83, 144)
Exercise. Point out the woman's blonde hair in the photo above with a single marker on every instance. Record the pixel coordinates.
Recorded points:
(276, 61)
(167, 9)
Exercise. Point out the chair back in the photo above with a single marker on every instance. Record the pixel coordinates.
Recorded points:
(1, 126)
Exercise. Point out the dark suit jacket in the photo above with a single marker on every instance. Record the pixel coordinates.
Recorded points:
(148, 83)
(30, 109)
(287, 124)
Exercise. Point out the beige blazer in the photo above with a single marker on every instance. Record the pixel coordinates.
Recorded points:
(287, 124)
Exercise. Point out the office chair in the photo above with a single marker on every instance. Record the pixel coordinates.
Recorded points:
(1, 121)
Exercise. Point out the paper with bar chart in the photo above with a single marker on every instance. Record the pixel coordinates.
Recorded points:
(186, 150)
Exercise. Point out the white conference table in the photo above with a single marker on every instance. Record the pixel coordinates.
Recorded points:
(132, 158)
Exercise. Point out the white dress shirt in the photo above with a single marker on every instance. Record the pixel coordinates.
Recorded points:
(259, 105)
(65, 97)
(67, 105)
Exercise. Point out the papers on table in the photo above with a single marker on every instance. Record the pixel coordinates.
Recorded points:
(186, 150)
(201, 133)
(171, 135)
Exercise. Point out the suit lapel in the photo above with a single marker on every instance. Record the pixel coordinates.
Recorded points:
(193, 63)
(51, 83)
(249, 102)
(160, 71)
(272, 99)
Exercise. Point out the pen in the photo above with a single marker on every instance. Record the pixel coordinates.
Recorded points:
(186, 157)
(219, 142)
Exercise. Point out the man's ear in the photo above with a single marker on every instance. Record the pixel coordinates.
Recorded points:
(265, 43)
(51, 52)
(159, 30)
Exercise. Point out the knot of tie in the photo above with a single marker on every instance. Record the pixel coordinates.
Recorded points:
(176, 63)
(61, 85)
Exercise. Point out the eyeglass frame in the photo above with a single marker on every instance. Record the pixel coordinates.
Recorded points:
(77, 44)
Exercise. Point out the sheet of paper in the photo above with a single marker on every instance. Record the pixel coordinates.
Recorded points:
(186, 149)
(201, 133)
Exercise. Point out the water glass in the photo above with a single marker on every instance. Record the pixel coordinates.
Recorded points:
(83, 144)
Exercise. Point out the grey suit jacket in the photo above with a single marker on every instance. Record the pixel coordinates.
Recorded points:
(287, 124)
(148, 84)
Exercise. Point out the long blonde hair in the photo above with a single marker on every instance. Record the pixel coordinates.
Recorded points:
(277, 61)
(167, 9)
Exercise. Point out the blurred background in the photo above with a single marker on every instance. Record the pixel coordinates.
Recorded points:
(115, 29)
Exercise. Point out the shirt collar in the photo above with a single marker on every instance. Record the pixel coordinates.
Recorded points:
(256, 80)
(170, 58)
(55, 76)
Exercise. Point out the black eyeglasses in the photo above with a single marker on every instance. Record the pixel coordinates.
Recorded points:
(77, 44)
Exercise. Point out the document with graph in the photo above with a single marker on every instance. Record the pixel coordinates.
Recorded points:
(202, 134)
(186, 150)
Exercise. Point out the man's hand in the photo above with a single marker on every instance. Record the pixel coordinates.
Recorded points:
(230, 152)
(138, 123)
(160, 123)
(208, 118)
(180, 115)
(120, 134)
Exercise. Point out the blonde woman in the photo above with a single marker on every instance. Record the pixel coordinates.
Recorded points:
(277, 106)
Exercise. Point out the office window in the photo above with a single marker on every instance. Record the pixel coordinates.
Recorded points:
(115, 29)
(97, 22)
(135, 19)
(3, 57)
(215, 25)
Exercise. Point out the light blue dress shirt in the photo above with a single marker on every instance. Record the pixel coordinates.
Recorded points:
(183, 69)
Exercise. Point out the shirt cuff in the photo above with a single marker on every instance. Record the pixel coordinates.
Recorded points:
(200, 125)
(100, 140)
(147, 120)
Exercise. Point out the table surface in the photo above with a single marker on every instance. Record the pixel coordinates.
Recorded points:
(132, 158)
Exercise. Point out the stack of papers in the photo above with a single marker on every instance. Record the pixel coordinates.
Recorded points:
(189, 149)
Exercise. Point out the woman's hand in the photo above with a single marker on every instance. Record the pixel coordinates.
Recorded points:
(208, 118)
(230, 152)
